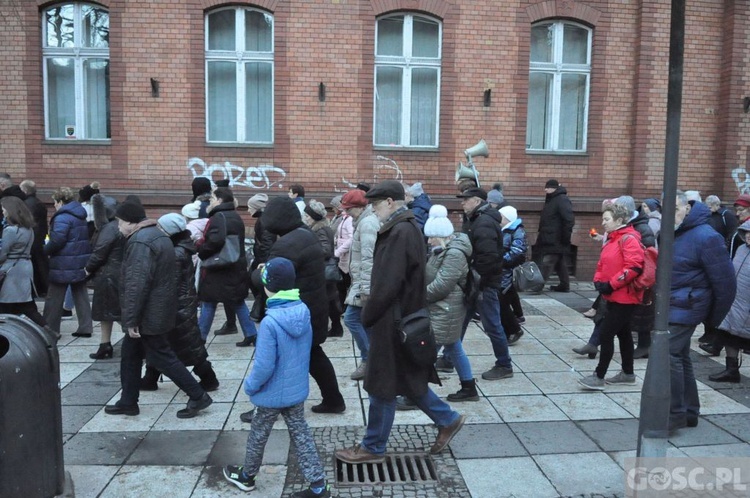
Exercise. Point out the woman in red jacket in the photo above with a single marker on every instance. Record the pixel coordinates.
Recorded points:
(621, 261)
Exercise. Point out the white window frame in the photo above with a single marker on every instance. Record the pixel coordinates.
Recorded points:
(241, 57)
(79, 54)
(407, 62)
(558, 69)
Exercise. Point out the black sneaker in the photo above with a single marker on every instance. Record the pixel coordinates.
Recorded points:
(559, 288)
(234, 474)
(521, 320)
(195, 406)
(226, 329)
(247, 417)
(497, 373)
(443, 365)
(309, 493)
(116, 409)
(66, 314)
(246, 342)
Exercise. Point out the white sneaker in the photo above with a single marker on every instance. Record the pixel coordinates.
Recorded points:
(359, 373)
(592, 383)
(621, 378)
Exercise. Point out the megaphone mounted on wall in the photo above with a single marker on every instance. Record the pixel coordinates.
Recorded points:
(469, 171)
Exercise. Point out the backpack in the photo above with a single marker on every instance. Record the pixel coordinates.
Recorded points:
(647, 279)
(470, 287)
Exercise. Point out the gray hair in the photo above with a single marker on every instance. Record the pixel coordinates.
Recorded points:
(619, 212)
(28, 187)
(693, 195)
(628, 202)
(713, 201)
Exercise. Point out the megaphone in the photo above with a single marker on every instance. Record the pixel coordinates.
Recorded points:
(480, 149)
(467, 173)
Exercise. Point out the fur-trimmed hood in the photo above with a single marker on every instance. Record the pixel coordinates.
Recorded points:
(104, 209)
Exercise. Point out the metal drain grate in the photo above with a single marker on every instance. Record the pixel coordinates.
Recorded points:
(397, 469)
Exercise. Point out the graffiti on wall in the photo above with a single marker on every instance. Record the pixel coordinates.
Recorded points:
(742, 180)
(263, 176)
(384, 169)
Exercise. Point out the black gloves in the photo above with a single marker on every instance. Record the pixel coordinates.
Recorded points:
(603, 288)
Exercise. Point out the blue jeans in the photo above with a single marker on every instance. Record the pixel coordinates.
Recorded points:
(383, 411)
(488, 306)
(684, 389)
(458, 356)
(353, 321)
(68, 303)
(208, 310)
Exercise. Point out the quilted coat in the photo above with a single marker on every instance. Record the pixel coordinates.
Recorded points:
(737, 321)
(619, 263)
(444, 274)
(148, 283)
(68, 247)
(280, 374)
(703, 283)
(360, 264)
(515, 248)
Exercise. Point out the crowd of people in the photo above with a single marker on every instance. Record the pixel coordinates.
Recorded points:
(386, 253)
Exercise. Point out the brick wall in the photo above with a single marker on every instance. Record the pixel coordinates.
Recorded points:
(324, 145)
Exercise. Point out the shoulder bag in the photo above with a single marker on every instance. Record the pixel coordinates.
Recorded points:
(333, 274)
(4, 273)
(417, 339)
(527, 277)
(228, 255)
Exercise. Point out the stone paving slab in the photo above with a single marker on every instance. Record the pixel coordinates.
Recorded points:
(737, 425)
(174, 448)
(612, 435)
(486, 441)
(135, 480)
(101, 448)
(518, 477)
(553, 437)
(596, 472)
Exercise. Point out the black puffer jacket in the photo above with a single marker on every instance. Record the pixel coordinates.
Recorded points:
(556, 223)
(300, 245)
(223, 285)
(148, 284)
(640, 223)
(484, 227)
(263, 242)
(185, 337)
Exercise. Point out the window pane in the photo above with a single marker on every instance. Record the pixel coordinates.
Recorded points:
(60, 26)
(95, 27)
(258, 31)
(388, 105)
(221, 30)
(426, 38)
(572, 107)
(258, 102)
(542, 38)
(61, 96)
(391, 36)
(540, 101)
(222, 101)
(424, 87)
(96, 94)
(575, 45)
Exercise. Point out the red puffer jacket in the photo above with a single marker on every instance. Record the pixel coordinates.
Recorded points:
(620, 256)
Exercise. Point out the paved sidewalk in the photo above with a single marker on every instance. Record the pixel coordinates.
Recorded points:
(535, 435)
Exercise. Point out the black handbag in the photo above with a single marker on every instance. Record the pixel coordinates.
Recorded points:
(417, 339)
(527, 277)
(333, 274)
(227, 256)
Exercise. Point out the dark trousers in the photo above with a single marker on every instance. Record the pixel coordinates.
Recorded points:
(231, 316)
(156, 351)
(508, 318)
(29, 309)
(334, 307)
(343, 288)
(321, 369)
(616, 323)
(515, 301)
(558, 263)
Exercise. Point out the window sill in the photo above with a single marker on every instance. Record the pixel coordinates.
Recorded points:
(239, 145)
(556, 153)
(405, 149)
(69, 141)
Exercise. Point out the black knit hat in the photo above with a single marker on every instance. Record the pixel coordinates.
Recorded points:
(86, 193)
(201, 185)
(130, 212)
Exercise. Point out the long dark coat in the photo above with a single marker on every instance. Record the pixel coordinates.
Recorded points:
(38, 259)
(185, 337)
(556, 223)
(223, 285)
(105, 265)
(300, 245)
(398, 279)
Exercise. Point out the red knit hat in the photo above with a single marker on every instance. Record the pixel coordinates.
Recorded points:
(353, 198)
(743, 200)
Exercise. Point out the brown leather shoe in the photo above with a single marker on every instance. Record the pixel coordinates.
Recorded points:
(357, 454)
(445, 434)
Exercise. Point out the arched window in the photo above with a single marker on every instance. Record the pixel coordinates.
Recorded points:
(407, 81)
(75, 54)
(559, 79)
(239, 76)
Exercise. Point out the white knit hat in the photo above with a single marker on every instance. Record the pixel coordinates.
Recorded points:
(191, 210)
(438, 224)
(510, 213)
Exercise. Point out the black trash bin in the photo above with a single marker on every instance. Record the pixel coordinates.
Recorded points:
(31, 447)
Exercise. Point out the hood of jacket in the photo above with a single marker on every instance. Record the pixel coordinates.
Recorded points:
(461, 242)
(699, 215)
(745, 227)
(224, 206)
(281, 216)
(73, 208)
(104, 209)
(513, 225)
(421, 201)
(184, 240)
(559, 191)
(485, 208)
(288, 313)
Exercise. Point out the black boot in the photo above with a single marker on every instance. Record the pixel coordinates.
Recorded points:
(205, 371)
(149, 382)
(731, 374)
(468, 392)
(712, 349)
(105, 351)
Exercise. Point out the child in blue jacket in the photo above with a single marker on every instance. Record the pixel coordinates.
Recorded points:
(279, 381)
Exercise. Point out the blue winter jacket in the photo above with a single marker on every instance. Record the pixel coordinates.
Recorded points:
(68, 247)
(515, 246)
(420, 206)
(280, 375)
(703, 282)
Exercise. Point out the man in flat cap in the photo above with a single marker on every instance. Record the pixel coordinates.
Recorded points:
(555, 229)
(397, 284)
(484, 228)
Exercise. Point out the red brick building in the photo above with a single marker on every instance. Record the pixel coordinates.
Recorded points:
(142, 95)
